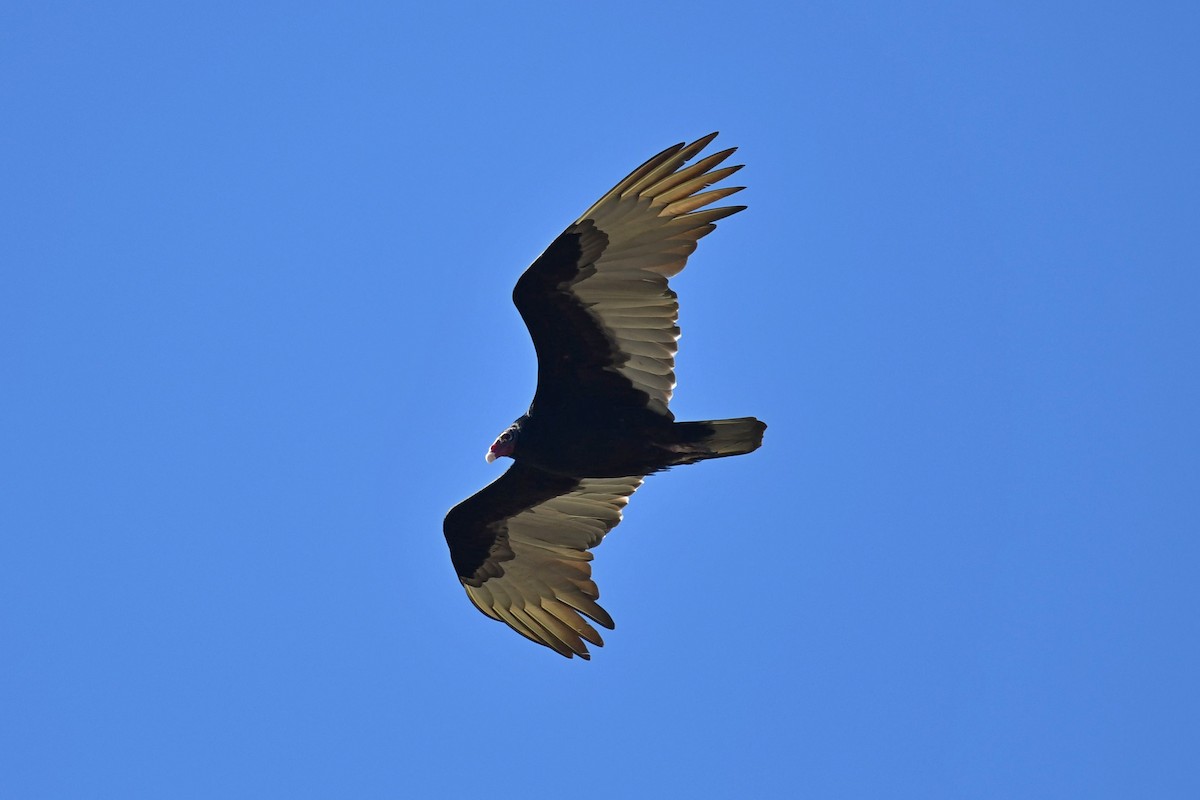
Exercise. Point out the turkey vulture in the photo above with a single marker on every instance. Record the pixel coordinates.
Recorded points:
(602, 319)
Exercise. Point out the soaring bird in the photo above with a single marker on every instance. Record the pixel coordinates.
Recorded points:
(603, 323)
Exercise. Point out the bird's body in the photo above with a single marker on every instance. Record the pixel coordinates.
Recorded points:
(603, 323)
(615, 442)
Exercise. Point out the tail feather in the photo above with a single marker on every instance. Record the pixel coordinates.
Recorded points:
(718, 438)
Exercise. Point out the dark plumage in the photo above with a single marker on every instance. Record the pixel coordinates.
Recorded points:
(603, 323)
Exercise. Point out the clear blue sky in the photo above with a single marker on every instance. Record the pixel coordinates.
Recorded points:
(256, 335)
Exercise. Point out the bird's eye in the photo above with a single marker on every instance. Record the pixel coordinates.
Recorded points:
(506, 436)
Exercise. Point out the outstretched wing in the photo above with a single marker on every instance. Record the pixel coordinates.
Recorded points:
(596, 302)
(520, 547)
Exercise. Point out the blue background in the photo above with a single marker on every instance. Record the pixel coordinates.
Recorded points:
(256, 335)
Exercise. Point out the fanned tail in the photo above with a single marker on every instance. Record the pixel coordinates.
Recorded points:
(717, 438)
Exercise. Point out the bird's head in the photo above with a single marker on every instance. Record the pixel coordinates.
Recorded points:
(506, 443)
